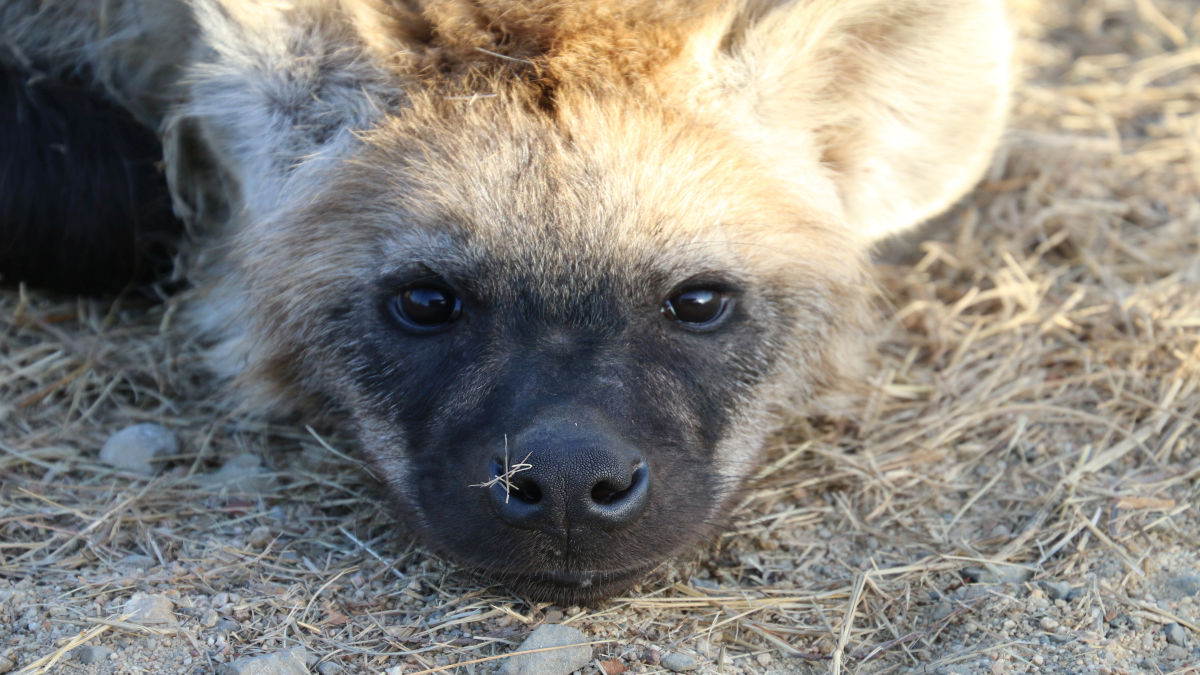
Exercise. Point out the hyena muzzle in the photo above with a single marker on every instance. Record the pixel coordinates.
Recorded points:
(562, 266)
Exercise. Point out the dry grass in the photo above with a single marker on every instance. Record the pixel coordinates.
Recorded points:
(1034, 415)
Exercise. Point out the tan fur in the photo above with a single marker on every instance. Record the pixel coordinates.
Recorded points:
(312, 145)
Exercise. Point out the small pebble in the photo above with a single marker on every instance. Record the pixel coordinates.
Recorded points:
(242, 472)
(1176, 635)
(6, 664)
(997, 574)
(1057, 590)
(1189, 585)
(554, 662)
(613, 667)
(149, 609)
(91, 654)
(135, 447)
(678, 662)
(942, 610)
(1048, 624)
(1176, 653)
(135, 560)
(259, 537)
(329, 668)
(209, 618)
(288, 662)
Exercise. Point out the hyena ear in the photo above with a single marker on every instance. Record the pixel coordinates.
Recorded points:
(899, 102)
(280, 86)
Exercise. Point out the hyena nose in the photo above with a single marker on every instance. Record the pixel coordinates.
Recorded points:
(554, 481)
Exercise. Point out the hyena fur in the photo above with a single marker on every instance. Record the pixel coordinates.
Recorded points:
(617, 241)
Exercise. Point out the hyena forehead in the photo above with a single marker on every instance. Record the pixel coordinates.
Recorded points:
(643, 194)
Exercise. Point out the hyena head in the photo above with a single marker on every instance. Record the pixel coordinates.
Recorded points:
(563, 265)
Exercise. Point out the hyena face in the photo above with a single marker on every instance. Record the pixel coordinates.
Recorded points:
(512, 290)
(562, 265)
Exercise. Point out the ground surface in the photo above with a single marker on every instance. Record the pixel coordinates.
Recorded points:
(1018, 493)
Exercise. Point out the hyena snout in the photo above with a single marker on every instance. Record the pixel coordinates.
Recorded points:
(566, 476)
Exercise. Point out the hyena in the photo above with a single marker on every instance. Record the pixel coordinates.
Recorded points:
(608, 243)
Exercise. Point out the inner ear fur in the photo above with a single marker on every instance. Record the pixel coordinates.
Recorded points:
(898, 103)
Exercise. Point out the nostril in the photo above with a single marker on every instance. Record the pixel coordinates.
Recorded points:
(606, 492)
(525, 490)
(515, 485)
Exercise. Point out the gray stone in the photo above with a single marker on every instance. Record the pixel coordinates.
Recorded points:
(1175, 653)
(329, 668)
(554, 662)
(136, 560)
(287, 662)
(678, 662)
(134, 448)
(149, 609)
(91, 654)
(242, 472)
(993, 573)
(259, 537)
(6, 664)
(1176, 635)
(1189, 585)
(1057, 590)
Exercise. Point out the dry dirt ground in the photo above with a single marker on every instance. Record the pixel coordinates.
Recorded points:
(1017, 493)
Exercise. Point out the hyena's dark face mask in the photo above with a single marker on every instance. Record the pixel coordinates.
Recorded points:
(558, 429)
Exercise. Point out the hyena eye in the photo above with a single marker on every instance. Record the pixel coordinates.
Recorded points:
(424, 309)
(697, 308)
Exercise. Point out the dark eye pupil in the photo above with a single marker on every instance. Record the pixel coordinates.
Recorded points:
(428, 306)
(696, 305)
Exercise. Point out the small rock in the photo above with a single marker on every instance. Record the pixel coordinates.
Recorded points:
(1057, 590)
(1048, 624)
(149, 609)
(613, 667)
(209, 618)
(942, 610)
(227, 626)
(91, 654)
(554, 662)
(135, 447)
(1176, 653)
(6, 664)
(260, 536)
(243, 472)
(997, 574)
(329, 668)
(136, 560)
(1189, 585)
(1176, 635)
(678, 662)
(288, 662)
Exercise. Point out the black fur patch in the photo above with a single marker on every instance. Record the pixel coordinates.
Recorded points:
(83, 205)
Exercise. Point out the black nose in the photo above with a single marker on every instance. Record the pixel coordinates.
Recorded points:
(562, 476)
